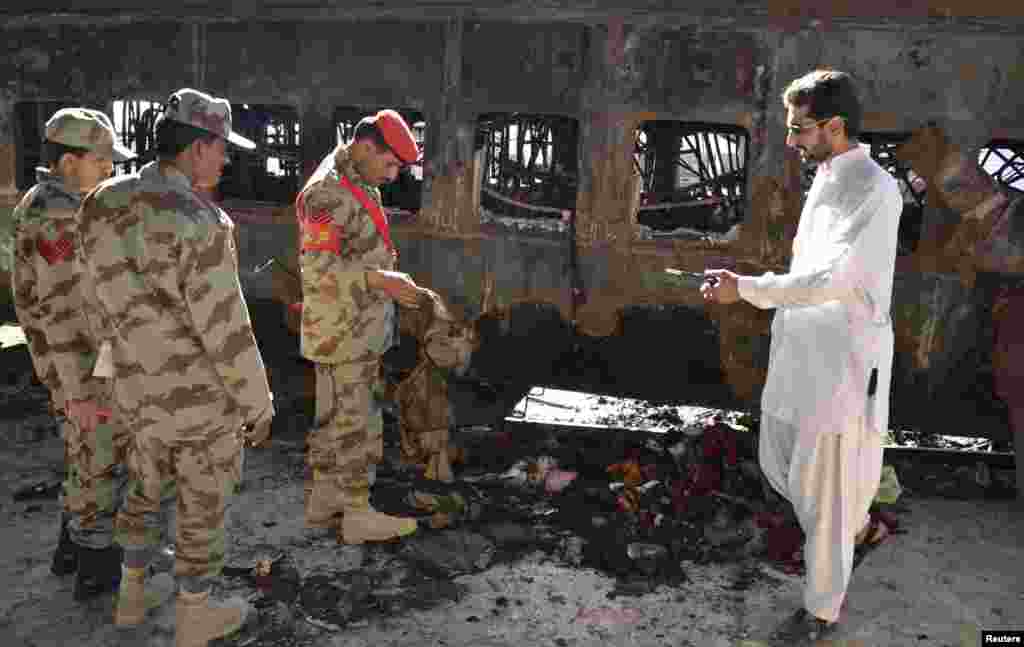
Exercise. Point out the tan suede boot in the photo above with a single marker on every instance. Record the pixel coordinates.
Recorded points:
(317, 515)
(360, 525)
(198, 621)
(136, 596)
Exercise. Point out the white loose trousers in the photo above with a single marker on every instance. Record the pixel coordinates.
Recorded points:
(831, 479)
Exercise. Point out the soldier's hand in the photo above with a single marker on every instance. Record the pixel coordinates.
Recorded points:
(257, 433)
(399, 286)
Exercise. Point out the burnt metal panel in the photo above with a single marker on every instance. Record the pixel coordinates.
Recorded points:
(253, 61)
(89, 64)
(523, 67)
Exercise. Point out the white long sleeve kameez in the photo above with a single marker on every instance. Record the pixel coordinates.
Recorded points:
(820, 441)
(833, 326)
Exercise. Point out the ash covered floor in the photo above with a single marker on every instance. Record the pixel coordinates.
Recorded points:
(549, 536)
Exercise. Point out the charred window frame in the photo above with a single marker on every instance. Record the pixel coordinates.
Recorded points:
(693, 175)
(135, 126)
(530, 165)
(882, 148)
(405, 194)
(1003, 159)
(272, 172)
(29, 128)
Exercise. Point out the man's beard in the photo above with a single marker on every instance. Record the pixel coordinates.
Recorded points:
(815, 154)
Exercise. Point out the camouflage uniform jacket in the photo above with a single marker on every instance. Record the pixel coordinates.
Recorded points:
(47, 290)
(343, 321)
(163, 282)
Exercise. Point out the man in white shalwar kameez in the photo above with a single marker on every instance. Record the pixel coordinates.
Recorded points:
(825, 405)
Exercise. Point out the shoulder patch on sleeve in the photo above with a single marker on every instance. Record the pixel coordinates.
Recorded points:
(55, 250)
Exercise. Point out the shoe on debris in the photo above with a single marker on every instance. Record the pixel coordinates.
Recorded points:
(65, 557)
(198, 621)
(359, 526)
(138, 595)
(99, 572)
(803, 629)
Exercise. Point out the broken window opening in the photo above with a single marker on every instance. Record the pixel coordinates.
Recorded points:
(882, 147)
(30, 128)
(530, 168)
(272, 172)
(135, 126)
(693, 175)
(404, 196)
(1003, 159)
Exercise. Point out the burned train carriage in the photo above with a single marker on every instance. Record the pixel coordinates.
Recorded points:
(571, 156)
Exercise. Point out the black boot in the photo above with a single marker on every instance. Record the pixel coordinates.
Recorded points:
(99, 571)
(65, 558)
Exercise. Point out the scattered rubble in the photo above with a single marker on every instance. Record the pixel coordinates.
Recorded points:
(644, 508)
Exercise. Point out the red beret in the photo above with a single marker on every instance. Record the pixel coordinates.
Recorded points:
(397, 134)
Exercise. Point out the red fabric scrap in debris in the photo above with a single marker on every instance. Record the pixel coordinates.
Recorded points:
(768, 519)
(649, 472)
(646, 519)
(503, 440)
(719, 439)
(705, 478)
(680, 494)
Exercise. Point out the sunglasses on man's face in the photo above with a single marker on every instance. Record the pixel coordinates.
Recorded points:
(796, 129)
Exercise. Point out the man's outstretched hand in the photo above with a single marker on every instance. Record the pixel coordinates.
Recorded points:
(724, 290)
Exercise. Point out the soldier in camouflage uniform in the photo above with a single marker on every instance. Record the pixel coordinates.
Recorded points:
(80, 146)
(188, 374)
(350, 287)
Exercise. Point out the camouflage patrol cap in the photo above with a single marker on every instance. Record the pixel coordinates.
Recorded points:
(397, 135)
(200, 110)
(88, 129)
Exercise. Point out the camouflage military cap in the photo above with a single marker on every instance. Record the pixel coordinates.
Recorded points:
(88, 129)
(205, 112)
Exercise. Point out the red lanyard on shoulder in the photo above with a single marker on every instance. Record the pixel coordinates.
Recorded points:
(376, 212)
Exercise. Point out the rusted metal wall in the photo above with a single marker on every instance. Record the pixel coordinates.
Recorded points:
(955, 81)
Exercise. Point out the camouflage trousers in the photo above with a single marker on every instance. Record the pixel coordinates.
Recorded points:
(206, 470)
(346, 439)
(96, 481)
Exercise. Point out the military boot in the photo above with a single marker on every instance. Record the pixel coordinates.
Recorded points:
(65, 557)
(198, 621)
(317, 515)
(99, 571)
(360, 525)
(137, 596)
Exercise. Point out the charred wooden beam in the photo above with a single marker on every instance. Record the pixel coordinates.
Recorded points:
(954, 16)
